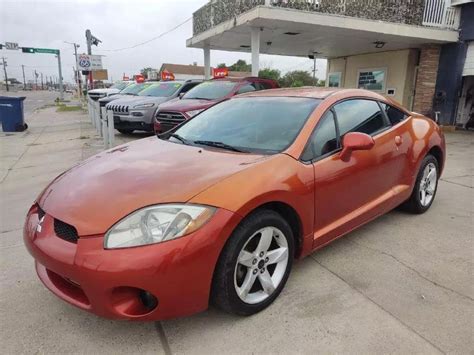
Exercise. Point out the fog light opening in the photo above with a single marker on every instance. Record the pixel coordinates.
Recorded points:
(149, 301)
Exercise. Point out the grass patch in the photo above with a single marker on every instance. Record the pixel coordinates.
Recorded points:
(64, 108)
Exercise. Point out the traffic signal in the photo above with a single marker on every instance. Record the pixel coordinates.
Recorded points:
(1, 46)
(27, 50)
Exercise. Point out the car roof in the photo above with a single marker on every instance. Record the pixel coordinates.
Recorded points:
(240, 79)
(314, 92)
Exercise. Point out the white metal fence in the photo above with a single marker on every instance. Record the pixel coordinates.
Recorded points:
(103, 121)
(440, 13)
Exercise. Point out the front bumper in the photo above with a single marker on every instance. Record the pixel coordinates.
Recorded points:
(136, 120)
(108, 282)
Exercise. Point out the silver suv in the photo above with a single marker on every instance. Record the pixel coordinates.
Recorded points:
(137, 112)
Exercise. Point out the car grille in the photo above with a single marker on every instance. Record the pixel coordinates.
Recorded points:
(169, 120)
(118, 108)
(65, 231)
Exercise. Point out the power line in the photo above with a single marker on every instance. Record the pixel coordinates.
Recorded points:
(150, 40)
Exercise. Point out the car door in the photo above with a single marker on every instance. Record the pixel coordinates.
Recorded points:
(348, 193)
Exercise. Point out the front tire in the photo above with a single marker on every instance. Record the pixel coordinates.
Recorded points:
(425, 188)
(254, 264)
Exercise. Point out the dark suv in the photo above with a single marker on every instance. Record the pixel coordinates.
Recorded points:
(204, 95)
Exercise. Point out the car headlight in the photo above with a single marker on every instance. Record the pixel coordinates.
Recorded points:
(144, 105)
(194, 112)
(156, 224)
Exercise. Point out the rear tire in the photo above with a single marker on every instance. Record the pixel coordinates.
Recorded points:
(425, 188)
(125, 131)
(254, 264)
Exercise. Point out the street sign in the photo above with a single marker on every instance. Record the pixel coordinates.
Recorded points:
(46, 51)
(11, 45)
(89, 62)
(40, 50)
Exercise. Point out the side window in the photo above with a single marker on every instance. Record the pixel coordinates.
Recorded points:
(264, 86)
(323, 140)
(188, 87)
(246, 88)
(359, 116)
(394, 114)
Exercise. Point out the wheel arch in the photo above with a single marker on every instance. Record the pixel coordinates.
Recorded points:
(289, 214)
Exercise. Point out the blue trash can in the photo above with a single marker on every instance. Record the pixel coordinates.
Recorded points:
(11, 114)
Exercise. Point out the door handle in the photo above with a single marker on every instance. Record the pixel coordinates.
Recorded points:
(398, 140)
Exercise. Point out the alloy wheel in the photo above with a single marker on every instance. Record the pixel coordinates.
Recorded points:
(428, 184)
(261, 265)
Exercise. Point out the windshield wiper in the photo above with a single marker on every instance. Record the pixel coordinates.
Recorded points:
(220, 145)
(178, 137)
(199, 98)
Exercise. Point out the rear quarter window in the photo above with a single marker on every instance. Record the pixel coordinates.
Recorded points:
(394, 115)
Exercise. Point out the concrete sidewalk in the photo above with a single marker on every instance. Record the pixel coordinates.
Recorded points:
(401, 284)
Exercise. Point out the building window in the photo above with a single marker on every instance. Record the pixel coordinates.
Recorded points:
(334, 80)
(372, 79)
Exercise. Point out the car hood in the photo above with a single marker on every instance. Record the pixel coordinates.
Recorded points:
(140, 100)
(114, 97)
(185, 105)
(96, 193)
(103, 91)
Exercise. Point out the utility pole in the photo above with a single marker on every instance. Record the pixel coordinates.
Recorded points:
(42, 86)
(5, 71)
(91, 40)
(61, 89)
(24, 81)
(36, 80)
(77, 74)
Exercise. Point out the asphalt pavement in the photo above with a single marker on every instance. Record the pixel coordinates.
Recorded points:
(34, 99)
(401, 284)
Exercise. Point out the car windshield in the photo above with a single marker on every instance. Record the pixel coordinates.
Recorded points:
(251, 124)
(161, 89)
(135, 88)
(211, 90)
(120, 85)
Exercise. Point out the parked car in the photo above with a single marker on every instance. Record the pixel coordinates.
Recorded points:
(130, 90)
(218, 209)
(137, 112)
(97, 94)
(203, 96)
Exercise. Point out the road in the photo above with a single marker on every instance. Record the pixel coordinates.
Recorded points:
(34, 99)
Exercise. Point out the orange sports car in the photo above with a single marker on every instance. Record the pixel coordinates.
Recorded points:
(217, 209)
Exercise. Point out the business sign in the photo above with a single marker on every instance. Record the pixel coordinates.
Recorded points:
(11, 45)
(139, 78)
(100, 74)
(89, 62)
(166, 75)
(220, 72)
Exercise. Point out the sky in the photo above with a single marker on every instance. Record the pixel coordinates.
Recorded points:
(118, 24)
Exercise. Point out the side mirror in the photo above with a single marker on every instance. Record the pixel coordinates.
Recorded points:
(181, 95)
(355, 141)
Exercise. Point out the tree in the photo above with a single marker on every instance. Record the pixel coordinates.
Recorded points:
(268, 73)
(145, 71)
(241, 65)
(297, 78)
(222, 65)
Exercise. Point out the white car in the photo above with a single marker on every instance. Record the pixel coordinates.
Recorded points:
(97, 94)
